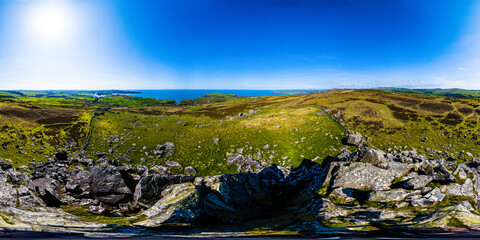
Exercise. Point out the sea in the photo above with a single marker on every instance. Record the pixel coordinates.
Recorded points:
(181, 94)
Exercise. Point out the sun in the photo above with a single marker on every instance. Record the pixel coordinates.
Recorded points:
(51, 21)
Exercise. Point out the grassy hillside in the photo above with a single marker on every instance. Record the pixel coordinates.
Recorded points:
(281, 129)
(403, 120)
(35, 132)
(268, 133)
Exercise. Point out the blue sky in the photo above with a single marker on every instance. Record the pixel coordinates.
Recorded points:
(239, 44)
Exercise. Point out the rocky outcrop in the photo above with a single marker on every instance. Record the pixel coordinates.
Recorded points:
(179, 204)
(367, 177)
(364, 188)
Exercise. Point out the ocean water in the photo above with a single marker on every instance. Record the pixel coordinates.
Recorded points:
(182, 94)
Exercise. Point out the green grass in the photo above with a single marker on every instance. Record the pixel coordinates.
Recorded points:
(29, 132)
(290, 133)
(81, 211)
(390, 120)
(414, 121)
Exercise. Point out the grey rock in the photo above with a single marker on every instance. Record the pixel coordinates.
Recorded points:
(393, 195)
(157, 170)
(165, 146)
(234, 159)
(355, 139)
(148, 190)
(372, 156)
(416, 182)
(179, 203)
(365, 176)
(455, 189)
(126, 158)
(49, 190)
(85, 161)
(99, 210)
(441, 174)
(61, 155)
(4, 165)
(79, 184)
(342, 196)
(173, 164)
(110, 185)
(190, 170)
(433, 197)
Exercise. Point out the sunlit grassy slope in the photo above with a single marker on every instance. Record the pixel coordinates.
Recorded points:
(406, 120)
(292, 126)
(291, 133)
(34, 132)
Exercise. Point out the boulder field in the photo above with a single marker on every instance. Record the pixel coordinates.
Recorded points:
(353, 190)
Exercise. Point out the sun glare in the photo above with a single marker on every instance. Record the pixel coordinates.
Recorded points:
(51, 22)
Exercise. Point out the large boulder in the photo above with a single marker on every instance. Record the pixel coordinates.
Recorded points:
(109, 185)
(49, 190)
(372, 156)
(462, 190)
(148, 190)
(441, 174)
(355, 139)
(432, 197)
(237, 197)
(179, 203)
(394, 195)
(365, 176)
(416, 182)
(79, 184)
(20, 197)
(4, 165)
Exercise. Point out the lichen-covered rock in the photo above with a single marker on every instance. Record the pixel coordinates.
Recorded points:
(393, 195)
(365, 176)
(355, 139)
(455, 189)
(447, 216)
(372, 156)
(47, 219)
(417, 182)
(342, 196)
(432, 197)
(179, 203)
(7, 193)
(148, 190)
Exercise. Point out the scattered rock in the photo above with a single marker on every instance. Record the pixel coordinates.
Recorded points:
(190, 170)
(173, 164)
